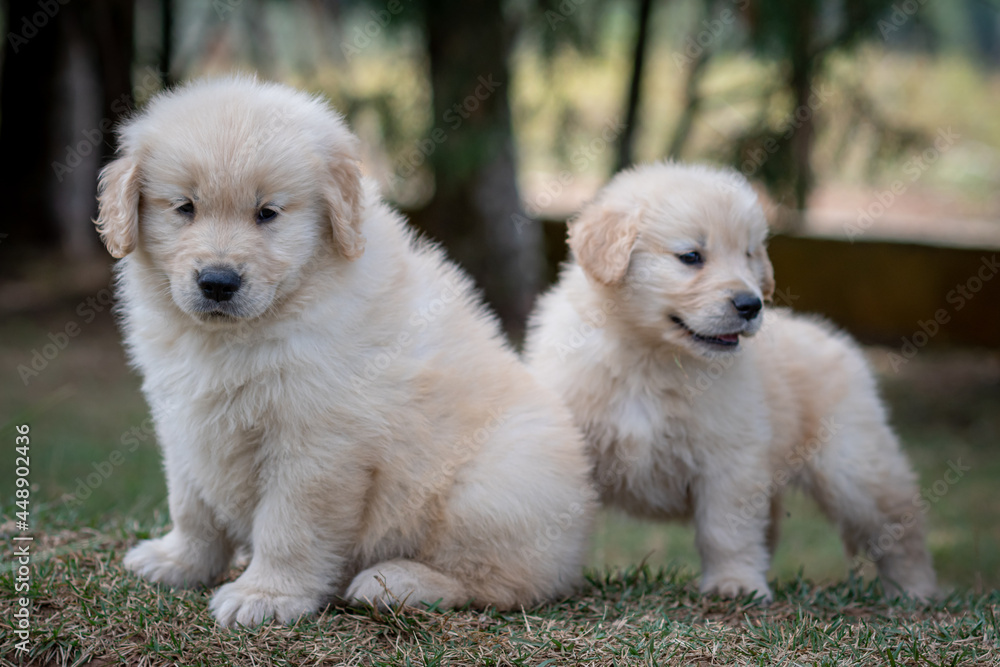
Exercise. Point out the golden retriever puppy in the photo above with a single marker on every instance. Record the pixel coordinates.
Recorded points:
(329, 393)
(696, 403)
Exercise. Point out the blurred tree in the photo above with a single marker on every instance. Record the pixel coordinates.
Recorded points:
(476, 210)
(167, 42)
(694, 69)
(635, 85)
(66, 79)
(800, 35)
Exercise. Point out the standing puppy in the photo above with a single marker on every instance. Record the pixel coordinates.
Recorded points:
(698, 403)
(327, 390)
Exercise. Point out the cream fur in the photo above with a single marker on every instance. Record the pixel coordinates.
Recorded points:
(680, 428)
(352, 416)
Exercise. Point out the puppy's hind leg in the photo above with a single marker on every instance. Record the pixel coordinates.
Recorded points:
(864, 483)
(406, 582)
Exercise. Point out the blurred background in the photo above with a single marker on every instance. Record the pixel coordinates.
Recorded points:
(871, 128)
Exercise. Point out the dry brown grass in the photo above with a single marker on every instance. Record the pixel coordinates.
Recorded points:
(88, 610)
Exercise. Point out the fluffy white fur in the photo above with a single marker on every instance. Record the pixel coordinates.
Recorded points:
(351, 416)
(687, 413)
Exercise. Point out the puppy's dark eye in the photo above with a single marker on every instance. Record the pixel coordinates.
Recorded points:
(692, 258)
(186, 209)
(266, 215)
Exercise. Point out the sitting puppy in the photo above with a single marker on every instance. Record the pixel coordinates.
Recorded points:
(328, 391)
(649, 337)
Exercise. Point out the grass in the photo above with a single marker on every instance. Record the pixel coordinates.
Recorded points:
(88, 610)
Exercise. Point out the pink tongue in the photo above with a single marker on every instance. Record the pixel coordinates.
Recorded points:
(730, 338)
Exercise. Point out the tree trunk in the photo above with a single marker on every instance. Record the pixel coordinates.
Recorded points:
(803, 64)
(692, 104)
(476, 211)
(625, 152)
(166, 42)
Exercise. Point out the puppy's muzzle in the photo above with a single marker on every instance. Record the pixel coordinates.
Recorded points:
(219, 283)
(747, 305)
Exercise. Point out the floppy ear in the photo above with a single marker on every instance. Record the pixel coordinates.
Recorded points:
(118, 206)
(602, 242)
(342, 197)
(767, 282)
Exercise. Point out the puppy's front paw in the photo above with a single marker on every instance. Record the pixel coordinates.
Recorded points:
(730, 586)
(246, 604)
(166, 560)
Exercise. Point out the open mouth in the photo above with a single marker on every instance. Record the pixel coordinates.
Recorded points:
(724, 340)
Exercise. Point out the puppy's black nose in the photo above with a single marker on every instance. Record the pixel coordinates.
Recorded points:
(218, 284)
(747, 305)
